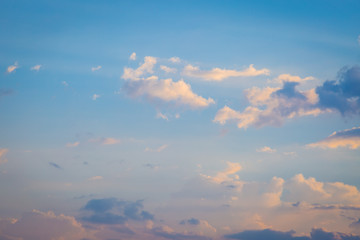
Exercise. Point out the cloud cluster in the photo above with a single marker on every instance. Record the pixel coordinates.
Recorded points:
(113, 211)
(218, 74)
(347, 138)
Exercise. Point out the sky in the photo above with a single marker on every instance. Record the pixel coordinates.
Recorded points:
(180, 120)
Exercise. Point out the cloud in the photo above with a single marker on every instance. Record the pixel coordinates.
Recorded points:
(292, 78)
(191, 221)
(162, 116)
(38, 225)
(347, 138)
(113, 211)
(105, 141)
(159, 149)
(266, 149)
(146, 67)
(168, 233)
(54, 165)
(93, 69)
(342, 94)
(95, 178)
(174, 59)
(316, 234)
(271, 106)
(227, 175)
(74, 144)
(12, 68)
(95, 96)
(36, 68)
(218, 74)
(3, 151)
(133, 56)
(167, 69)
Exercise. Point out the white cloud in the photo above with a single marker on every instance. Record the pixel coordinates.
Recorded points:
(272, 106)
(167, 69)
(226, 175)
(159, 149)
(12, 68)
(95, 178)
(146, 67)
(93, 69)
(266, 149)
(36, 67)
(74, 144)
(95, 96)
(218, 74)
(175, 59)
(133, 56)
(292, 78)
(3, 151)
(348, 138)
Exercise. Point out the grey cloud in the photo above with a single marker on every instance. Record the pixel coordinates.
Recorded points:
(113, 211)
(177, 236)
(289, 91)
(54, 165)
(191, 221)
(342, 94)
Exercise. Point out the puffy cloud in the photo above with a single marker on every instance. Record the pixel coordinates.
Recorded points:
(175, 59)
(36, 67)
(316, 234)
(292, 78)
(227, 175)
(218, 74)
(54, 165)
(271, 106)
(146, 67)
(3, 151)
(167, 69)
(74, 144)
(343, 94)
(95, 96)
(266, 149)
(93, 69)
(347, 138)
(159, 149)
(113, 211)
(179, 93)
(12, 68)
(133, 56)
(37, 225)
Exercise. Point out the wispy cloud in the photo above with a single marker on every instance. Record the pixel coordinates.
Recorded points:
(12, 68)
(95, 96)
(95, 178)
(105, 141)
(167, 69)
(159, 149)
(266, 149)
(347, 138)
(93, 69)
(162, 116)
(133, 56)
(65, 83)
(74, 144)
(54, 165)
(292, 78)
(36, 67)
(218, 74)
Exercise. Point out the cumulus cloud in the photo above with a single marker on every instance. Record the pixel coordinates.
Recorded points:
(159, 149)
(218, 74)
(93, 69)
(36, 67)
(3, 151)
(113, 211)
(133, 56)
(175, 59)
(12, 68)
(38, 225)
(271, 106)
(342, 94)
(269, 234)
(167, 69)
(266, 149)
(347, 138)
(292, 78)
(226, 175)
(95, 96)
(146, 67)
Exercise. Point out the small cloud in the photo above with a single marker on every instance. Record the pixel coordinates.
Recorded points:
(292, 78)
(65, 83)
(152, 166)
(133, 56)
(93, 69)
(175, 59)
(159, 149)
(54, 165)
(347, 138)
(266, 149)
(12, 68)
(95, 178)
(74, 144)
(36, 68)
(3, 151)
(95, 96)
(177, 115)
(162, 116)
(167, 69)
(110, 141)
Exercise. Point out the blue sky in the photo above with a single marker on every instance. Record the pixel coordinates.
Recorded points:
(179, 119)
